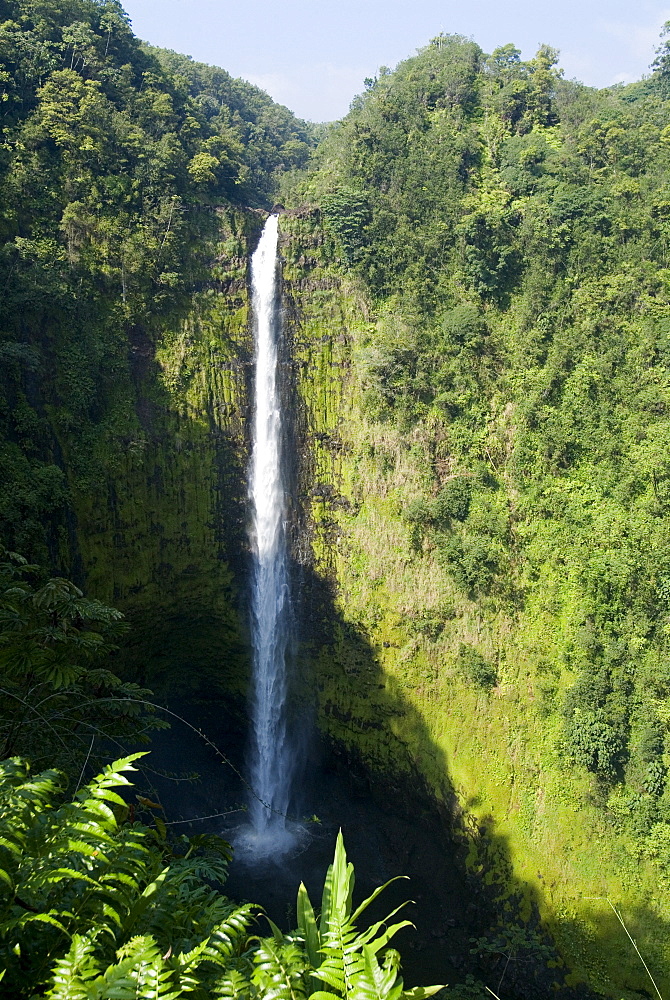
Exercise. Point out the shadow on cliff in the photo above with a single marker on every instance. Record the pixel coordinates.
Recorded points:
(178, 567)
(476, 922)
(474, 914)
(474, 917)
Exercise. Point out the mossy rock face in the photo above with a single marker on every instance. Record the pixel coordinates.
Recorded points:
(147, 431)
(166, 541)
(416, 672)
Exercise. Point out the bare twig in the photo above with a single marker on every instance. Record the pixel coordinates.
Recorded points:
(634, 944)
(196, 819)
(85, 763)
(503, 974)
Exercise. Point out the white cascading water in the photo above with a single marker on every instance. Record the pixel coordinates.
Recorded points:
(271, 762)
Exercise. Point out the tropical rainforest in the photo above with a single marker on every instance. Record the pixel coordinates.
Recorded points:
(476, 296)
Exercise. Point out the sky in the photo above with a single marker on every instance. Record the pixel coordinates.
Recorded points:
(313, 55)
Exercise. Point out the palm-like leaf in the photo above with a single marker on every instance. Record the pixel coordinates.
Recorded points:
(342, 958)
(70, 867)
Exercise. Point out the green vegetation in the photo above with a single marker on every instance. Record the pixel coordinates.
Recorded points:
(476, 260)
(58, 695)
(496, 516)
(95, 906)
(125, 176)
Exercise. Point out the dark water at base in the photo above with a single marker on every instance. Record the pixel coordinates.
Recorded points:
(384, 835)
(381, 846)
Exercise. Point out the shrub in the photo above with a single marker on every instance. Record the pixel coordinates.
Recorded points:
(417, 514)
(464, 325)
(475, 668)
(654, 779)
(346, 215)
(594, 742)
(471, 560)
(651, 741)
(453, 501)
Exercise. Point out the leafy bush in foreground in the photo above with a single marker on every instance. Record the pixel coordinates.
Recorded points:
(93, 908)
(57, 693)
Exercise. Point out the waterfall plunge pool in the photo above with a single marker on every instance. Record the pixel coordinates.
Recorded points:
(382, 840)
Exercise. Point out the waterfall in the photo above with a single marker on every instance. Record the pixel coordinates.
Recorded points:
(271, 759)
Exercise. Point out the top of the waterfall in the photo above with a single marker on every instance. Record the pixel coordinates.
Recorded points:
(266, 250)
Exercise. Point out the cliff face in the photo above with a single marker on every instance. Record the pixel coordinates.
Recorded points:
(164, 537)
(151, 517)
(417, 678)
(123, 322)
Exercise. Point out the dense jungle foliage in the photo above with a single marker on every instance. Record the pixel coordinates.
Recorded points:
(504, 235)
(511, 229)
(116, 165)
(97, 907)
(58, 694)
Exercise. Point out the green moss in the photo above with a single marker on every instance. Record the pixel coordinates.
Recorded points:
(151, 453)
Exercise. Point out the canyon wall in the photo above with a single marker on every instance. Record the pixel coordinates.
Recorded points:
(417, 678)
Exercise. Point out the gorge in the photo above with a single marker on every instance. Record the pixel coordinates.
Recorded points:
(474, 374)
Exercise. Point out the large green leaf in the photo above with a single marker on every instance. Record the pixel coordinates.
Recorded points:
(307, 926)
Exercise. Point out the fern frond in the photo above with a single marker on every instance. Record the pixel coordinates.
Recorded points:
(371, 898)
(307, 926)
(379, 982)
(279, 971)
(142, 967)
(228, 936)
(374, 940)
(421, 992)
(43, 918)
(74, 970)
(233, 986)
(144, 901)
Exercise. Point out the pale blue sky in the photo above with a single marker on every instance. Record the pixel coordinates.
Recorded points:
(313, 55)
